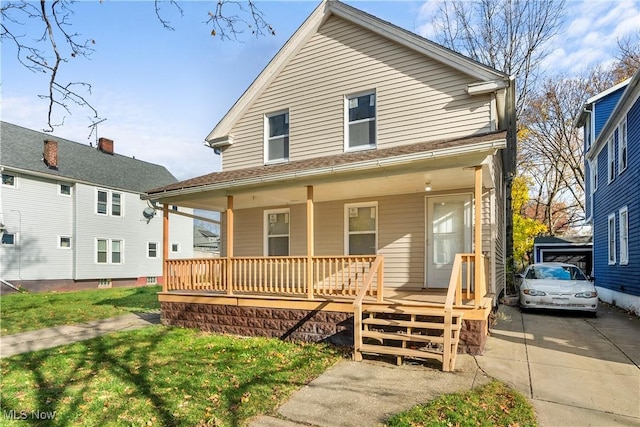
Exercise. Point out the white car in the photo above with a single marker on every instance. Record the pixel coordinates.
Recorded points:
(558, 286)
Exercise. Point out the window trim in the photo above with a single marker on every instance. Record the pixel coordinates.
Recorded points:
(109, 202)
(149, 250)
(265, 230)
(60, 237)
(15, 180)
(267, 137)
(611, 159)
(611, 239)
(347, 233)
(347, 123)
(623, 233)
(623, 143)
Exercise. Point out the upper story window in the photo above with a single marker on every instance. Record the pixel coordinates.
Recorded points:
(361, 227)
(152, 250)
(276, 147)
(360, 117)
(587, 134)
(64, 242)
(9, 180)
(611, 160)
(594, 175)
(276, 230)
(622, 145)
(109, 251)
(612, 239)
(109, 203)
(624, 235)
(8, 239)
(65, 189)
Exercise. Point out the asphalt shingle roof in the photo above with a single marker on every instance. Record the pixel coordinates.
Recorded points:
(22, 148)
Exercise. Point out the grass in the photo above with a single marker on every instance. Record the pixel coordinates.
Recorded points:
(23, 312)
(159, 376)
(494, 404)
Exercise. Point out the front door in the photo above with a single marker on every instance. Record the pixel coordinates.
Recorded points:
(449, 220)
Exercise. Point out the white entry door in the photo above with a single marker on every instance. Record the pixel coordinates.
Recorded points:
(449, 222)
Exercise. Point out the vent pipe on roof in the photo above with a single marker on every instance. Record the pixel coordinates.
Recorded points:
(105, 145)
(50, 154)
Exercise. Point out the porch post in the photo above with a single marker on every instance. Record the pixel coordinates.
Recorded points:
(229, 245)
(478, 264)
(310, 241)
(165, 247)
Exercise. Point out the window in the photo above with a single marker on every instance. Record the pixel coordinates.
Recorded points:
(276, 230)
(8, 239)
(360, 129)
(116, 204)
(611, 170)
(277, 137)
(152, 250)
(624, 236)
(594, 175)
(102, 202)
(612, 239)
(587, 133)
(622, 146)
(109, 251)
(174, 208)
(361, 228)
(64, 242)
(152, 280)
(8, 180)
(104, 283)
(65, 189)
(175, 248)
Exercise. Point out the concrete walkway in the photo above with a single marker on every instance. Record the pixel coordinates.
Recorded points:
(59, 335)
(576, 371)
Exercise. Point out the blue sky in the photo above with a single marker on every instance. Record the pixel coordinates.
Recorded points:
(163, 91)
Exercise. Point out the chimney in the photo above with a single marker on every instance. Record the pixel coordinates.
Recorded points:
(105, 145)
(50, 155)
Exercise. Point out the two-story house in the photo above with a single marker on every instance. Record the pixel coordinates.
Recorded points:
(611, 122)
(72, 217)
(364, 176)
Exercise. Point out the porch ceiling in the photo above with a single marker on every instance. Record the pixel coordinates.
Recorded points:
(444, 175)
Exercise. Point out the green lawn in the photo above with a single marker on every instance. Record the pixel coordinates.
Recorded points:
(494, 404)
(159, 376)
(22, 312)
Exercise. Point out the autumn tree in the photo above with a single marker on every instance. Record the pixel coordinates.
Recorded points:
(525, 229)
(55, 44)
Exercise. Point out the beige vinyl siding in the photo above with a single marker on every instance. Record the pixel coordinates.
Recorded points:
(417, 98)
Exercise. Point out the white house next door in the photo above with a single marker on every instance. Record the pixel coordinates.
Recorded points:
(449, 223)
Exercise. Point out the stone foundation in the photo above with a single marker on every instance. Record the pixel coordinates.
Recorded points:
(292, 324)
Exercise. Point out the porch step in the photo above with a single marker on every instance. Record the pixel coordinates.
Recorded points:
(407, 323)
(408, 331)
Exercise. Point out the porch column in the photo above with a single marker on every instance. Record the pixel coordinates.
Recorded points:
(229, 245)
(478, 265)
(165, 247)
(310, 241)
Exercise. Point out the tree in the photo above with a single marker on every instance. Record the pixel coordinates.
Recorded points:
(56, 44)
(524, 229)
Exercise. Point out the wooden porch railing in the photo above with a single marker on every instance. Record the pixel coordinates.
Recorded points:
(376, 270)
(335, 275)
(463, 281)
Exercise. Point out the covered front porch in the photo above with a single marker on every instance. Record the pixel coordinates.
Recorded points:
(349, 298)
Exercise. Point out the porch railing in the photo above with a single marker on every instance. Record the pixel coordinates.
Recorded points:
(331, 275)
(463, 281)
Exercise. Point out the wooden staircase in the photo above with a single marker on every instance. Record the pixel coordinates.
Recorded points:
(408, 331)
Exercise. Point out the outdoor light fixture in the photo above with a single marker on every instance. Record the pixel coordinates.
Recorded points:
(427, 186)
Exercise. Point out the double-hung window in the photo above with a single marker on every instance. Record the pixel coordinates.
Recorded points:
(622, 145)
(109, 251)
(361, 226)
(594, 175)
(109, 203)
(276, 232)
(152, 250)
(624, 235)
(611, 169)
(612, 239)
(276, 137)
(360, 126)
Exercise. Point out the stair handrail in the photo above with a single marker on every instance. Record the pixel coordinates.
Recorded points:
(376, 267)
(454, 290)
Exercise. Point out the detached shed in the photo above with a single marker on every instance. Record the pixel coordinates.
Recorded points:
(576, 250)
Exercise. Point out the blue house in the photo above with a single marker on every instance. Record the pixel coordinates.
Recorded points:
(611, 122)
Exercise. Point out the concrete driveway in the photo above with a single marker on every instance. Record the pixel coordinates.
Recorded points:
(577, 371)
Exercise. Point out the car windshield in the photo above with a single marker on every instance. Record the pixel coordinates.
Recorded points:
(559, 272)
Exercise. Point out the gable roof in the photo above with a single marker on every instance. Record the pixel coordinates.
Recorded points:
(339, 163)
(21, 150)
(493, 79)
(588, 106)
